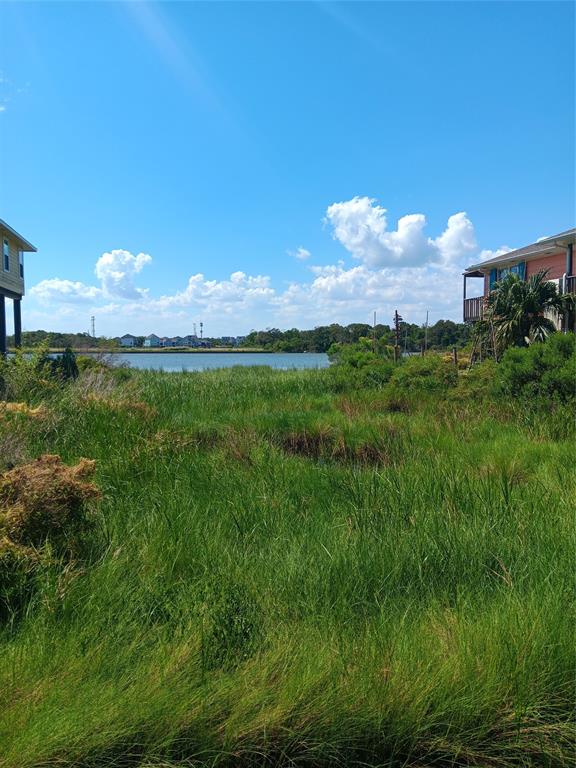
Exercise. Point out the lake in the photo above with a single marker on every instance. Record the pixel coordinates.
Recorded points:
(203, 361)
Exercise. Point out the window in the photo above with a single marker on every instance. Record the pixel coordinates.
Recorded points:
(517, 269)
(21, 263)
(6, 254)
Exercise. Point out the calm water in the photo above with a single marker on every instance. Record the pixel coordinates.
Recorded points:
(202, 361)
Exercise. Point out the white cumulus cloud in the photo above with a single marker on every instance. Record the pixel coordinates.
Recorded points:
(116, 270)
(235, 294)
(66, 291)
(457, 240)
(361, 226)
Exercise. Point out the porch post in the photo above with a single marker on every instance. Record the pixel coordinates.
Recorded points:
(465, 287)
(3, 349)
(17, 324)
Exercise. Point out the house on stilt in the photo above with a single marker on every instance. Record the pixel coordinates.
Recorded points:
(14, 246)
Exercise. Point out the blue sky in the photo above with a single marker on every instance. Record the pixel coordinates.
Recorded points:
(169, 160)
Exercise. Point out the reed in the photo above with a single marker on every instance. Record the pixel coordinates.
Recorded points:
(292, 572)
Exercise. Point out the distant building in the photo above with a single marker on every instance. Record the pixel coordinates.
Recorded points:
(152, 340)
(191, 340)
(128, 340)
(12, 280)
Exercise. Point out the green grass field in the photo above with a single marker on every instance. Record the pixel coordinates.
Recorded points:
(286, 571)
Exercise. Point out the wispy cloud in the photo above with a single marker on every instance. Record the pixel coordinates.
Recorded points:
(173, 48)
(10, 91)
(300, 253)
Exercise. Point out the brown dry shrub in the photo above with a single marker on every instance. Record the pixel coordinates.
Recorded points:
(393, 402)
(6, 409)
(311, 445)
(333, 447)
(47, 500)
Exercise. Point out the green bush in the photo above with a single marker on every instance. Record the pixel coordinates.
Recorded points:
(477, 382)
(429, 373)
(27, 378)
(545, 369)
(91, 363)
(121, 374)
(360, 365)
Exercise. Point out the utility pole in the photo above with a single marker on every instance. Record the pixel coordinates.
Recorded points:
(201, 330)
(93, 323)
(426, 333)
(397, 321)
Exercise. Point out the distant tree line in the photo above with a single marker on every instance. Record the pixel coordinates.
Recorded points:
(63, 340)
(443, 334)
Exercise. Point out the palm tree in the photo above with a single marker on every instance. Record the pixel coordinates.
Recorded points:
(518, 309)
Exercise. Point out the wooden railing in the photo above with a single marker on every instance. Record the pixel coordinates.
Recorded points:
(473, 309)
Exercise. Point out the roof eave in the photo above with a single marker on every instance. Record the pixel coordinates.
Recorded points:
(532, 251)
(26, 245)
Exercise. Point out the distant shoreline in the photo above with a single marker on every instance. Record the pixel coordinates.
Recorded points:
(180, 351)
(162, 351)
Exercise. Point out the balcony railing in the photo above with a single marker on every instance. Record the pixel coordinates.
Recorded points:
(473, 309)
(570, 284)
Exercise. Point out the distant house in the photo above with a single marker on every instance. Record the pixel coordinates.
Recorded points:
(172, 341)
(152, 340)
(14, 246)
(128, 340)
(554, 254)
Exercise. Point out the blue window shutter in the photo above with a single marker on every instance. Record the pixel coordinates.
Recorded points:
(493, 277)
(522, 270)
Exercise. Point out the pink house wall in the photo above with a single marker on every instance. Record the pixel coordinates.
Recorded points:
(555, 263)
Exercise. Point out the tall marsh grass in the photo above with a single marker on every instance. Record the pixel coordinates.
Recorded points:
(292, 572)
